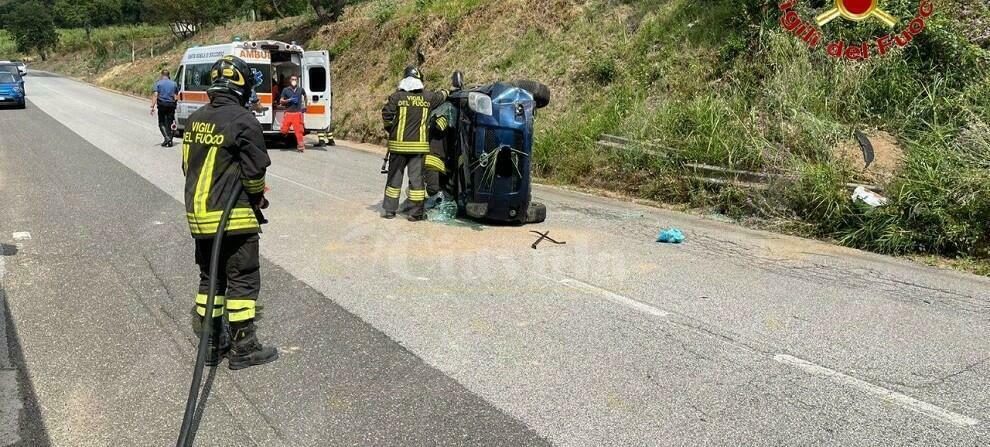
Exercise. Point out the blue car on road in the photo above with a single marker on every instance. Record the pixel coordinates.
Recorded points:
(12, 90)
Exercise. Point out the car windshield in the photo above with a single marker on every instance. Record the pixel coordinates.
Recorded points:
(7, 78)
(8, 68)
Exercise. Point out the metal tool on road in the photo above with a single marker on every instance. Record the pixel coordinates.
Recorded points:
(204, 340)
(545, 236)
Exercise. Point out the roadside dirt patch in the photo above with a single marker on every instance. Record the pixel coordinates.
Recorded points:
(889, 157)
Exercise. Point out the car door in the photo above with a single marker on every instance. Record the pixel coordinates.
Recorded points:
(316, 81)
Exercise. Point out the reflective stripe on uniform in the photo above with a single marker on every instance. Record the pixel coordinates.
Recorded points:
(409, 148)
(240, 310)
(417, 195)
(201, 305)
(392, 192)
(435, 163)
(207, 223)
(422, 124)
(201, 220)
(254, 186)
(205, 180)
(185, 157)
(400, 134)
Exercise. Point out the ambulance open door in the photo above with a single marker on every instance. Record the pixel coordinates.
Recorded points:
(316, 81)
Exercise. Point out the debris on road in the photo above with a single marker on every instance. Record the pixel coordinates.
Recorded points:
(670, 236)
(868, 197)
(545, 236)
(443, 209)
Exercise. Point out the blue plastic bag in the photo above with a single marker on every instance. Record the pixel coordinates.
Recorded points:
(671, 236)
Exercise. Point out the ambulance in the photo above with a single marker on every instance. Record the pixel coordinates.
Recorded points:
(269, 60)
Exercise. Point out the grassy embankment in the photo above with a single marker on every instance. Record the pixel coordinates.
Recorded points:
(717, 83)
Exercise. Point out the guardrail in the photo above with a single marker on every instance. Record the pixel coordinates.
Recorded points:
(705, 173)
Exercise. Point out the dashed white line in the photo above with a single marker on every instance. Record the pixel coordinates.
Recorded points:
(614, 297)
(21, 236)
(905, 401)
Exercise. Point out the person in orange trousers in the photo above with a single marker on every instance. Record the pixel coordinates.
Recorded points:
(293, 98)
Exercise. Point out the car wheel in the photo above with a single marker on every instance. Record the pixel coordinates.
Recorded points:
(541, 93)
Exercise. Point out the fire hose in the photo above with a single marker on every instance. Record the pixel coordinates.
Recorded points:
(204, 341)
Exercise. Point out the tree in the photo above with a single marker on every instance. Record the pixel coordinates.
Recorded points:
(33, 28)
(328, 10)
(132, 11)
(88, 14)
(272, 9)
(194, 13)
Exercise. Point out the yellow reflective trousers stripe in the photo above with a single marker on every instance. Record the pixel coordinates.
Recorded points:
(417, 195)
(392, 192)
(201, 305)
(240, 310)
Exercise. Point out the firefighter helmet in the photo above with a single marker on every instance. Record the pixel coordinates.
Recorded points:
(412, 72)
(233, 75)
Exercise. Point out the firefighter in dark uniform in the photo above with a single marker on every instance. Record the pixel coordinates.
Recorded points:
(223, 144)
(442, 122)
(325, 137)
(406, 117)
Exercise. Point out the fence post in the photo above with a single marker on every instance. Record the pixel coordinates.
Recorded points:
(133, 56)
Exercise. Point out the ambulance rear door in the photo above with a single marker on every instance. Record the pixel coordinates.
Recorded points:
(316, 81)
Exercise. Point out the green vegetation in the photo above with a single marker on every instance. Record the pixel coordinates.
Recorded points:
(32, 27)
(74, 40)
(716, 82)
(8, 47)
(88, 13)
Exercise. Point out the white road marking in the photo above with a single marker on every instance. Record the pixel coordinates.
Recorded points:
(22, 236)
(905, 401)
(614, 297)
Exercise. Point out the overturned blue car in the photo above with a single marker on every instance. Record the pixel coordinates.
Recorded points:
(484, 136)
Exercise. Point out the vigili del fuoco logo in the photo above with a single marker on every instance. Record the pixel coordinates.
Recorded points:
(810, 30)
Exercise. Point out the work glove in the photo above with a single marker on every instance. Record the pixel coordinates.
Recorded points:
(258, 201)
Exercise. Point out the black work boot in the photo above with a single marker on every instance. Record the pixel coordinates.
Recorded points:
(219, 341)
(388, 215)
(247, 351)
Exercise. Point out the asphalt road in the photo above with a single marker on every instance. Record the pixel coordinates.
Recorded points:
(396, 333)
